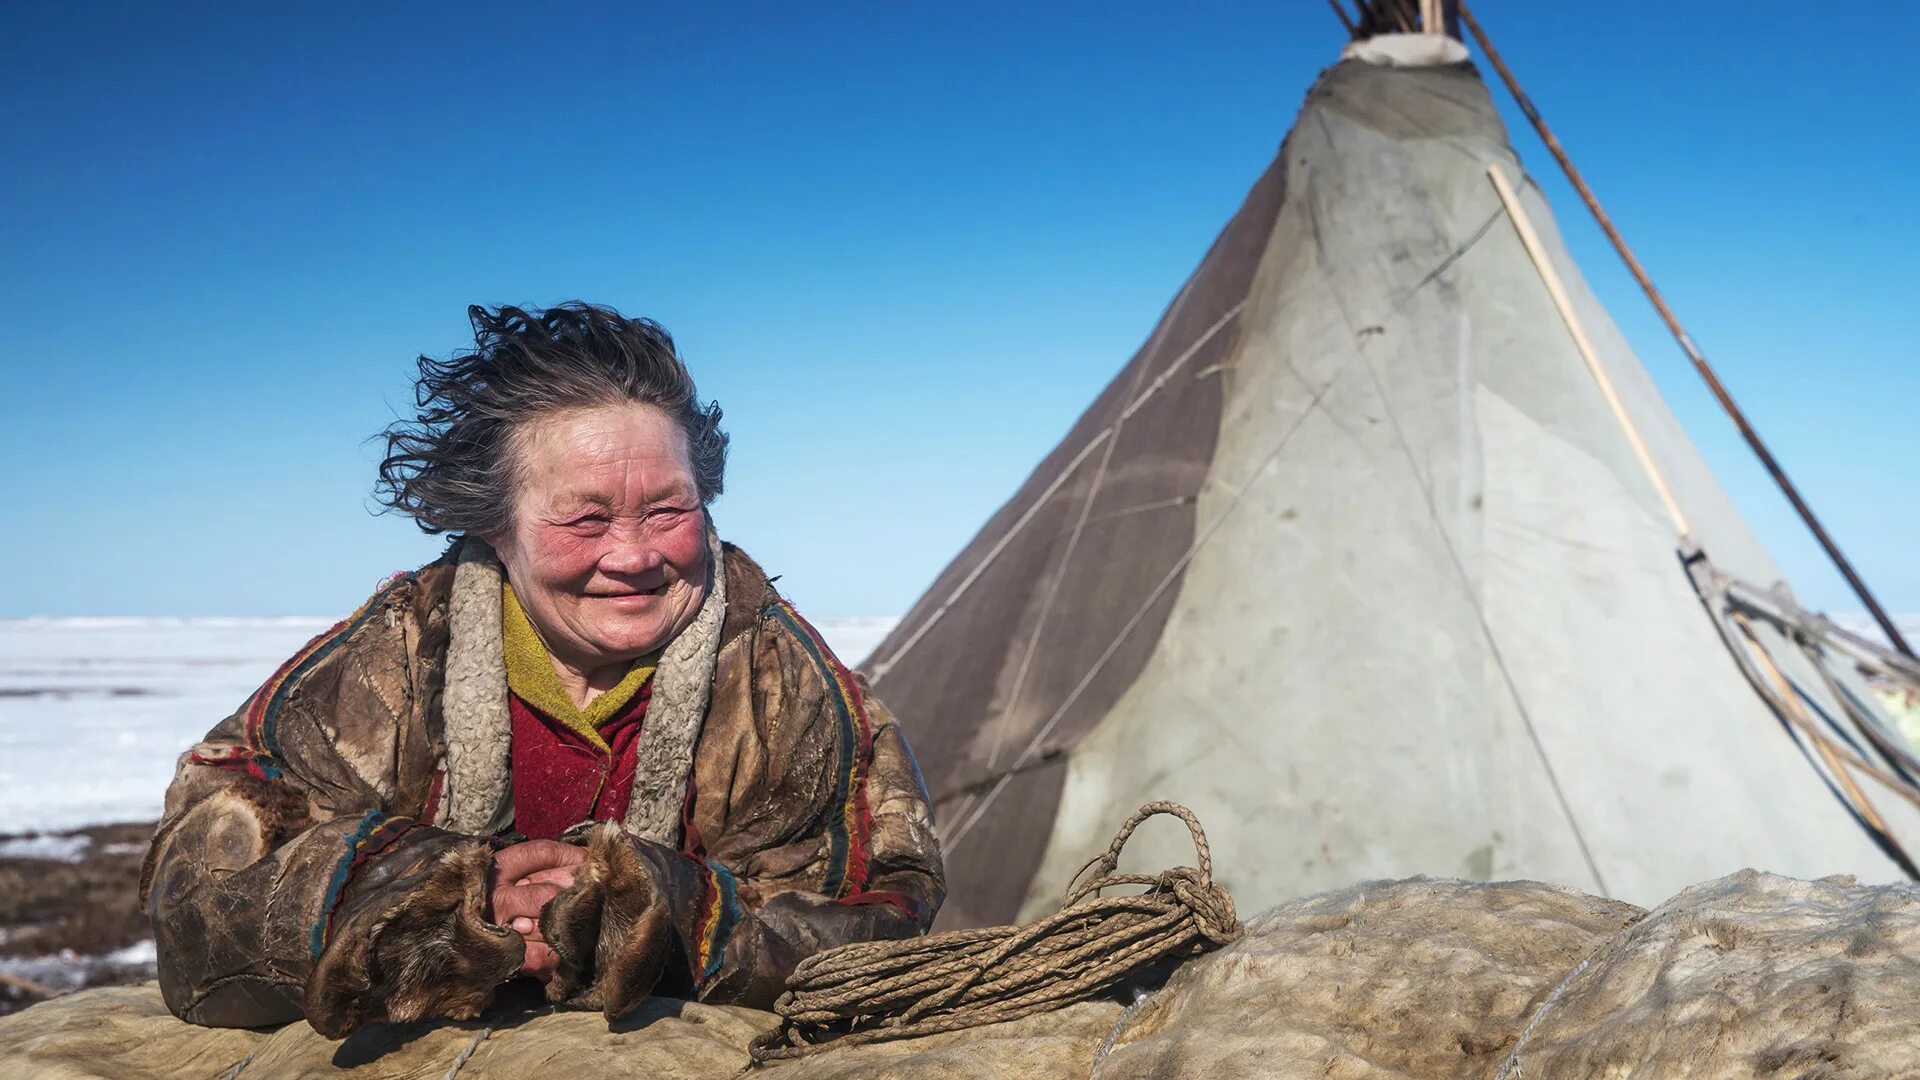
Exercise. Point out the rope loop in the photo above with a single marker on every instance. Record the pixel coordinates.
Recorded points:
(878, 991)
(1212, 908)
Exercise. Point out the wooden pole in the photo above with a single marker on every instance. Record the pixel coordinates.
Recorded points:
(1836, 757)
(1687, 346)
(1393, 15)
(1557, 290)
(36, 989)
(1340, 9)
(1376, 17)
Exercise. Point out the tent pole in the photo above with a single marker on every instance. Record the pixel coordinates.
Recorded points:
(1345, 20)
(1836, 758)
(1557, 290)
(39, 990)
(1687, 346)
(1431, 21)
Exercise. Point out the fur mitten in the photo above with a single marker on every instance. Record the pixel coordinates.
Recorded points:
(411, 941)
(611, 930)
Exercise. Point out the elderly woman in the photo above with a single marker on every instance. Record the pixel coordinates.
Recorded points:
(590, 745)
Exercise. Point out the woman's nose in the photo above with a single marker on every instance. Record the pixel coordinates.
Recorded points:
(631, 558)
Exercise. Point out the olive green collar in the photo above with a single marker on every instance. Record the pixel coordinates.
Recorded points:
(531, 678)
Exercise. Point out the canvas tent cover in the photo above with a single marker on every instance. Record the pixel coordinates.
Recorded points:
(1353, 559)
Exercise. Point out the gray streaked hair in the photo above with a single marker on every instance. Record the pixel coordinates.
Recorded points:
(451, 467)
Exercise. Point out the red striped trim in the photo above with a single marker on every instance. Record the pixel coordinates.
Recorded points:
(375, 833)
(257, 704)
(719, 911)
(900, 901)
(240, 759)
(850, 832)
(262, 709)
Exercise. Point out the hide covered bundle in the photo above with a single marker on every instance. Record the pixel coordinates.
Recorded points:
(1748, 975)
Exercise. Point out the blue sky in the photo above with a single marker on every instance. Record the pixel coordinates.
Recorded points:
(902, 244)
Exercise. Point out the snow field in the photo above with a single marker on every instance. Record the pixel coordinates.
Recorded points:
(94, 711)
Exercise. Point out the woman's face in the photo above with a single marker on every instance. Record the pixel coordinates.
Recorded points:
(608, 548)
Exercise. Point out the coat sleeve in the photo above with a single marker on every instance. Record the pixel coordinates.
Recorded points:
(287, 878)
(829, 841)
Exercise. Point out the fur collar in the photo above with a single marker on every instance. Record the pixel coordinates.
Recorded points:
(478, 796)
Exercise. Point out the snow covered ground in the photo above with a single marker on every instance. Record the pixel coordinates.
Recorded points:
(94, 711)
(1863, 624)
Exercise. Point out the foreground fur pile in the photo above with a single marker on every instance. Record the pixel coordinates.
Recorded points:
(1749, 975)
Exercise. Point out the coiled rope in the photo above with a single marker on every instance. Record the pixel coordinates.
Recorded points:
(878, 991)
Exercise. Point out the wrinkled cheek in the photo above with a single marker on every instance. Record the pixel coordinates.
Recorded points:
(683, 543)
(564, 556)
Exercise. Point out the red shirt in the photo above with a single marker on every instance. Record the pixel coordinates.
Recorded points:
(560, 779)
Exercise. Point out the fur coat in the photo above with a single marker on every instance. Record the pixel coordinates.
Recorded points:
(324, 851)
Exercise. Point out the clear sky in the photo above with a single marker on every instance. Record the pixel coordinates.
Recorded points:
(903, 245)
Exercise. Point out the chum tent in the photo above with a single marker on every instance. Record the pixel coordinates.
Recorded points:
(1356, 558)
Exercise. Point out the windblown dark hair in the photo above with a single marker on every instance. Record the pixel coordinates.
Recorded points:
(451, 468)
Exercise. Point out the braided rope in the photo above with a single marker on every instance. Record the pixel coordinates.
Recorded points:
(877, 991)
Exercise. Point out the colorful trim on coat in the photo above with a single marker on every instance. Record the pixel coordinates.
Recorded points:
(263, 708)
(375, 832)
(852, 822)
(719, 912)
(241, 759)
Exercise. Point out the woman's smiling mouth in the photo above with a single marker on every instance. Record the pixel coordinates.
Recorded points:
(631, 594)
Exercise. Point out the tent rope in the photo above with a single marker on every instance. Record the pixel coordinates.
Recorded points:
(238, 1067)
(1033, 751)
(1086, 510)
(466, 1053)
(878, 991)
(879, 669)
